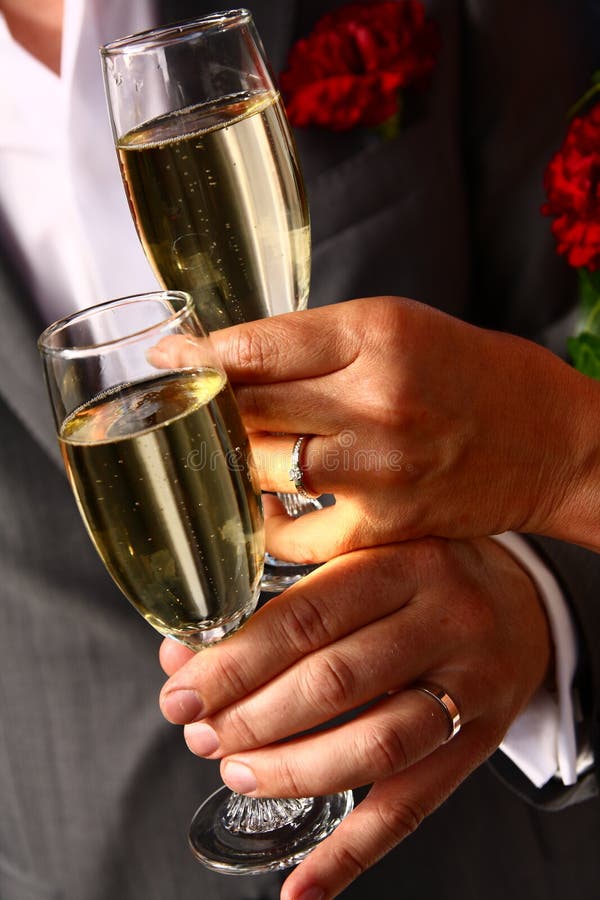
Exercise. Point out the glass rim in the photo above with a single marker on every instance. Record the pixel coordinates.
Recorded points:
(169, 34)
(46, 348)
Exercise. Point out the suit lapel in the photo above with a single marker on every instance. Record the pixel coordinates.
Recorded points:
(21, 375)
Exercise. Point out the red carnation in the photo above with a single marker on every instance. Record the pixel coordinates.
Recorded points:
(350, 69)
(572, 182)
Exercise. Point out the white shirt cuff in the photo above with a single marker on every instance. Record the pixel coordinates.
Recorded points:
(541, 741)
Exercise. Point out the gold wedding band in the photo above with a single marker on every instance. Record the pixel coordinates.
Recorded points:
(444, 700)
(295, 473)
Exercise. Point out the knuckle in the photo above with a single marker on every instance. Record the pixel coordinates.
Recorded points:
(399, 818)
(230, 674)
(385, 750)
(391, 319)
(288, 778)
(329, 683)
(303, 624)
(255, 349)
(238, 723)
(348, 860)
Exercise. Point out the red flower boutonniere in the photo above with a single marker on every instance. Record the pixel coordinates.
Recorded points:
(353, 66)
(572, 182)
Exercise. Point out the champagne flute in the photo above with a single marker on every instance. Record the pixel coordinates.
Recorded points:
(212, 177)
(160, 466)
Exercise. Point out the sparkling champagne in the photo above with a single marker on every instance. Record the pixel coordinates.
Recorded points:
(219, 206)
(164, 481)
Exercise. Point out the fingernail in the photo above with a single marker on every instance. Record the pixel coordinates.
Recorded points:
(313, 893)
(239, 777)
(201, 739)
(182, 707)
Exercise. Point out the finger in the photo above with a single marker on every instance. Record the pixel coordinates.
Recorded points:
(330, 464)
(388, 738)
(180, 351)
(173, 655)
(311, 614)
(322, 465)
(315, 406)
(386, 655)
(286, 347)
(320, 535)
(272, 456)
(393, 809)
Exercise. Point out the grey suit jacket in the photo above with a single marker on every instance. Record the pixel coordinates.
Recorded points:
(96, 790)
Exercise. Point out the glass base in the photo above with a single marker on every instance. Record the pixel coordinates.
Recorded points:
(238, 835)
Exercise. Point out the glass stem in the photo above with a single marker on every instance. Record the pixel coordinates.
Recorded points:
(249, 815)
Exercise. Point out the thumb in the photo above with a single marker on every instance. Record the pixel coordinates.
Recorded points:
(303, 344)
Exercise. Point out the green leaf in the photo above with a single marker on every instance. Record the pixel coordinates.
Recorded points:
(589, 288)
(584, 350)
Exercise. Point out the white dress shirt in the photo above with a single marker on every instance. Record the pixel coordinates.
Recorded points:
(541, 741)
(61, 198)
(64, 210)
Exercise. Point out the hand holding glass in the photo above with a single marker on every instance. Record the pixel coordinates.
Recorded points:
(160, 466)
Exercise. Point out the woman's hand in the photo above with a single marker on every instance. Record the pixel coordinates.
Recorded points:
(418, 423)
(361, 630)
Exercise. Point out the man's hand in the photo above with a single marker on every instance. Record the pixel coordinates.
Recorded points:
(419, 424)
(361, 630)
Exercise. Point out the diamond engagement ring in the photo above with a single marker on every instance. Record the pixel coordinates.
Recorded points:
(295, 473)
(445, 701)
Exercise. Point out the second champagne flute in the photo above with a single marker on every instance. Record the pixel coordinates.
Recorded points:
(212, 177)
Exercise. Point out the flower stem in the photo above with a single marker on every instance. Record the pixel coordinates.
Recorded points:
(592, 315)
(584, 100)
